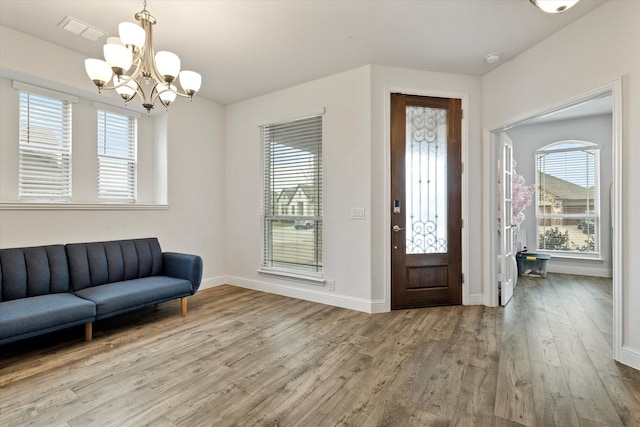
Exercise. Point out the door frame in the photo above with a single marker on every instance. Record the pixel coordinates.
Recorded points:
(490, 143)
(464, 97)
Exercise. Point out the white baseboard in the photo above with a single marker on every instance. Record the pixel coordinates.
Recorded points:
(583, 270)
(476, 299)
(337, 300)
(630, 357)
(212, 282)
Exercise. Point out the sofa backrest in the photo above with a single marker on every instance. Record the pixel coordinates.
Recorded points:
(28, 272)
(98, 263)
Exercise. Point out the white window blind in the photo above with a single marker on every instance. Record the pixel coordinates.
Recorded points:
(292, 196)
(568, 202)
(117, 137)
(45, 148)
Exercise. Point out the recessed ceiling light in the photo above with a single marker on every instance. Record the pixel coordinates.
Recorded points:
(492, 57)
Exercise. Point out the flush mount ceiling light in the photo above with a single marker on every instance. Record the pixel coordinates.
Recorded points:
(492, 57)
(138, 70)
(554, 6)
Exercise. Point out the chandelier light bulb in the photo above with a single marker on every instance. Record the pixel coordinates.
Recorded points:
(554, 6)
(98, 71)
(132, 34)
(118, 57)
(168, 65)
(167, 95)
(190, 82)
(127, 90)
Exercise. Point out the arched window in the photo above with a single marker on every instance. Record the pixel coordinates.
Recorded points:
(568, 199)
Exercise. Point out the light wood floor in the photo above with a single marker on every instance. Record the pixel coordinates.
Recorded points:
(248, 358)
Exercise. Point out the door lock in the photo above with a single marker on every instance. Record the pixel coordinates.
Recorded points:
(397, 228)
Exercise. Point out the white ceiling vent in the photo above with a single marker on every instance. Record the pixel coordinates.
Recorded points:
(83, 29)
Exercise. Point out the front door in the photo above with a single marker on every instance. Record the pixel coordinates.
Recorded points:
(426, 220)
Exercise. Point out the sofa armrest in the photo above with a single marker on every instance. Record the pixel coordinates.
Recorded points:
(183, 266)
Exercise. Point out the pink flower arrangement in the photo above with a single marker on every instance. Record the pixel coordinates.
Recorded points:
(521, 196)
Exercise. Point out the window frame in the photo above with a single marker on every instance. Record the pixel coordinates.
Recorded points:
(84, 196)
(271, 212)
(63, 124)
(102, 139)
(591, 216)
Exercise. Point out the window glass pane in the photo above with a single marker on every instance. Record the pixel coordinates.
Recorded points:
(45, 148)
(117, 136)
(568, 206)
(292, 196)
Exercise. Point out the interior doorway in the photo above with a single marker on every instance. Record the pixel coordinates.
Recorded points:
(578, 107)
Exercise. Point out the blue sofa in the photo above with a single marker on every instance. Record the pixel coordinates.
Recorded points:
(47, 288)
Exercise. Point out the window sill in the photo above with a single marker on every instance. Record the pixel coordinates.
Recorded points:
(568, 256)
(314, 279)
(54, 206)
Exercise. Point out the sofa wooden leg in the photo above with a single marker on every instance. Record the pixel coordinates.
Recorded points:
(183, 305)
(88, 331)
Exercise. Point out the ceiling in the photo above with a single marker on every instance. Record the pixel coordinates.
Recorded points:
(602, 104)
(248, 48)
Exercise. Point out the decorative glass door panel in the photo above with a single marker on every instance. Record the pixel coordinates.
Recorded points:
(426, 180)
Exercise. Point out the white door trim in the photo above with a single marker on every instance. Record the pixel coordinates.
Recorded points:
(464, 97)
(489, 184)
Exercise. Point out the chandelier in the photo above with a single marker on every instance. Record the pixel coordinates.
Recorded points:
(131, 66)
(554, 6)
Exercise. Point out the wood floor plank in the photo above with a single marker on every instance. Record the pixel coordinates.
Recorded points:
(514, 392)
(243, 357)
(552, 398)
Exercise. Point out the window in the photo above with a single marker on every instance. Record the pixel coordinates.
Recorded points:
(568, 201)
(292, 176)
(45, 148)
(117, 135)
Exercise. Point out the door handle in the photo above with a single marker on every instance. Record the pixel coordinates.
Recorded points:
(397, 228)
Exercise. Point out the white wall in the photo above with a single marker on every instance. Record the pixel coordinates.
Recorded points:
(356, 160)
(189, 140)
(346, 184)
(598, 48)
(527, 139)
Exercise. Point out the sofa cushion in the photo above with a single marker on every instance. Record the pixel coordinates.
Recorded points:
(115, 298)
(27, 272)
(99, 263)
(25, 317)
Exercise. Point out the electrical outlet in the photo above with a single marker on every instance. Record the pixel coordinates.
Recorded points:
(357, 213)
(331, 285)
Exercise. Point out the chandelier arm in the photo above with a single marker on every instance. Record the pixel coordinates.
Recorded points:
(183, 94)
(156, 95)
(148, 54)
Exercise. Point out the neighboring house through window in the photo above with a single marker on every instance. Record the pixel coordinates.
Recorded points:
(292, 197)
(568, 200)
(45, 148)
(117, 137)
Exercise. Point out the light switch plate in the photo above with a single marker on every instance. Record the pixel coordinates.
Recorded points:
(357, 213)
